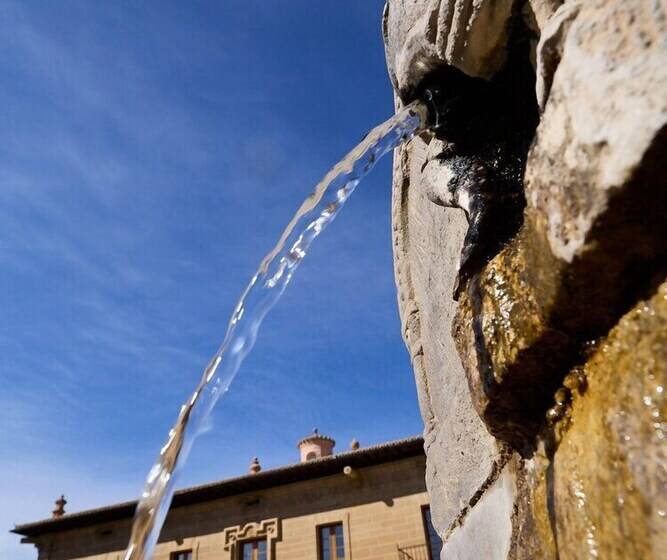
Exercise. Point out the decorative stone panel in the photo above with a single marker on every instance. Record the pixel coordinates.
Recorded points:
(268, 529)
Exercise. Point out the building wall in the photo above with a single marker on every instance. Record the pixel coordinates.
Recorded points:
(380, 511)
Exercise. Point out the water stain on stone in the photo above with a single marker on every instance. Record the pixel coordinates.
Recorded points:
(612, 458)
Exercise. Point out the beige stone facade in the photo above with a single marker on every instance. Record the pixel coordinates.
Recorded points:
(377, 494)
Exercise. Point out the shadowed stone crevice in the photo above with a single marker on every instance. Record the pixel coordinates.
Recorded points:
(533, 533)
(485, 129)
(551, 492)
(564, 305)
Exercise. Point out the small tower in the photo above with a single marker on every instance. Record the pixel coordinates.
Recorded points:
(354, 444)
(315, 446)
(255, 467)
(60, 507)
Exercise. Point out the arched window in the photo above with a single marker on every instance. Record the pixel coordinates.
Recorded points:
(312, 455)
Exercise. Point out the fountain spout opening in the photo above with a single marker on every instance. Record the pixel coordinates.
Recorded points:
(438, 110)
(453, 100)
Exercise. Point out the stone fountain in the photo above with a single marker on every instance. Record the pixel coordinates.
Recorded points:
(530, 246)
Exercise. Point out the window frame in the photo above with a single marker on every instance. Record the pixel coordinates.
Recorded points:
(241, 544)
(175, 555)
(318, 529)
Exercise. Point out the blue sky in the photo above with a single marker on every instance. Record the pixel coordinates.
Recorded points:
(150, 155)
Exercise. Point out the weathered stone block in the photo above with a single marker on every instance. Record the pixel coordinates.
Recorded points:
(488, 526)
(462, 455)
(424, 35)
(593, 243)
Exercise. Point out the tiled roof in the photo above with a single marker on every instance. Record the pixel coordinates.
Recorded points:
(298, 472)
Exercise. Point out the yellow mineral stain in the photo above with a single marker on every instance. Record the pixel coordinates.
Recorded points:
(610, 469)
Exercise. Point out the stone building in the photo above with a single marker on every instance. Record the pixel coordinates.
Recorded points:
(363, 504)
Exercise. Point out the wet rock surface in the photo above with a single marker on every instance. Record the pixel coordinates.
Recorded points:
(530, 312)
(609, 480)
(540, 375)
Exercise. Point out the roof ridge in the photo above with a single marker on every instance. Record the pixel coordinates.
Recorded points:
(316, 468)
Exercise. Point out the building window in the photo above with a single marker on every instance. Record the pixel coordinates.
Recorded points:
(433, 541)
(253, 540)
(253, 550)
(331, 542)
(182, 555)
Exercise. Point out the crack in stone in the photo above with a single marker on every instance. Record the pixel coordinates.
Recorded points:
(496, 469)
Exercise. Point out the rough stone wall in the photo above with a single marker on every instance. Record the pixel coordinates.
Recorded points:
(542, 388)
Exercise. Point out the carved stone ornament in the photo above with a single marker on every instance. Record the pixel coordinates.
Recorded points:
(268, 529)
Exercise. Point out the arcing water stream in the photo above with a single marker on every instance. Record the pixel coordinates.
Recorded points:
(261, 294)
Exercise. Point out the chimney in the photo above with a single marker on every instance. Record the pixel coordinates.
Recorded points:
(315, 446)
(255, 467)
(60, 507)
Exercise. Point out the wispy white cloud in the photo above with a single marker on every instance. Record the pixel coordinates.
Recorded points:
(148, 160)
(32, 484)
